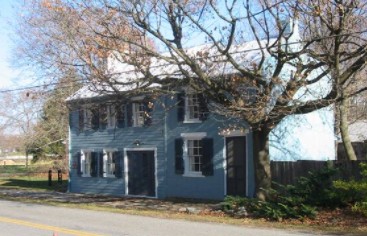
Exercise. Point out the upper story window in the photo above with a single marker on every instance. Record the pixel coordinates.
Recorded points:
(138, 114)
(120, 114)
(191, 107)
(93, 117)
(111, 116)
(100, 117)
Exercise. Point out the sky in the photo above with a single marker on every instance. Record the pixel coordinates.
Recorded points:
(6, 71)
(10, 77)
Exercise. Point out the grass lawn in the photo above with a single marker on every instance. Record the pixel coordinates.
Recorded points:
(36, 183)
(12, 169)
(31, 177)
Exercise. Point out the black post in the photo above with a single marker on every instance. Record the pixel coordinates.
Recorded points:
(50, 177)
(59, 176)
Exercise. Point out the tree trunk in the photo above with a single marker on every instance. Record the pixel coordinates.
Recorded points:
(262, 163)
(26, 158)
(344, 131)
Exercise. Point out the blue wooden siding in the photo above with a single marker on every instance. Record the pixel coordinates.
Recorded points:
(160, 135)
(115, 138)
(208, 187)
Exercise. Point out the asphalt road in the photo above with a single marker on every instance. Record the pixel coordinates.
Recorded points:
(23, 219)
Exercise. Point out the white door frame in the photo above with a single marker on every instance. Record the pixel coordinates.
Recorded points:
(126, 170)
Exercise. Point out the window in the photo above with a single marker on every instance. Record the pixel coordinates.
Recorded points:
(89, 118)
(138, 114)
(99, 117)
(120, 111)
(103, 163)
(86, 161)
(194, 155)
(109, 163)
(111, 116)
(103, 116)
(94, 117)
(191, 107)
(84, 118)
(81, 119)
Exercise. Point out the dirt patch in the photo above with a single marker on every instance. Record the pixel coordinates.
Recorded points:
(8, 162)
(336, 218)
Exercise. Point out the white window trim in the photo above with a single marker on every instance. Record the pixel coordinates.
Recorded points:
(83, 154)
(187, 118)
(105, 174)
(234, 133)
(186, 137)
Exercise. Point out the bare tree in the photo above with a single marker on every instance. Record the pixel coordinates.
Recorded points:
(330, 53)
(19, 111)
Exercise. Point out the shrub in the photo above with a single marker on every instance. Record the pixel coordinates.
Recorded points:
(353, 191)
(360, 207)
(317, 188)
(276, 208)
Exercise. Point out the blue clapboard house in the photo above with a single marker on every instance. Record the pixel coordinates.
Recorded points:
(172, 146)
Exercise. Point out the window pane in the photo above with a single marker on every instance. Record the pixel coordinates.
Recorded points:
(138, 114)
(194, 149)
(103, 116)
(87, 163)
(110, 170)
(193, 106)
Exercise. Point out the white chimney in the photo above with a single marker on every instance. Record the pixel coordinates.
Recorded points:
(291, 37)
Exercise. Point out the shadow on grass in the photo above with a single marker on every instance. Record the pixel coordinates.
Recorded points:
(38, 184)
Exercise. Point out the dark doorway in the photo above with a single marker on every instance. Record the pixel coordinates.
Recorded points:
(141, 173)
(236, 166)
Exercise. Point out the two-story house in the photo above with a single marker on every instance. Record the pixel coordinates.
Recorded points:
(172, 146)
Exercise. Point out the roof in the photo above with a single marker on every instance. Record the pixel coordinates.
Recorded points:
(248, 54)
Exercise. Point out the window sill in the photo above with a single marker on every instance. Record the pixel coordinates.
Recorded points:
(109, 176)
(191, 121)
(193, 174)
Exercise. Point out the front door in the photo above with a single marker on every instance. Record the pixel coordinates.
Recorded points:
(236, 166)
(141, 173)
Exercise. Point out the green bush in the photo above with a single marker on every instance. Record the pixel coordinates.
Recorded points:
(317, 188)
(351, 191)
(276, 208)
(360, 207)
(300, 200)
(354, 192)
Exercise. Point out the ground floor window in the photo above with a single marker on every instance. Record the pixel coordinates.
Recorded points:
(101, 163)
(109, 163)
(86, 163)
(194, 153)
